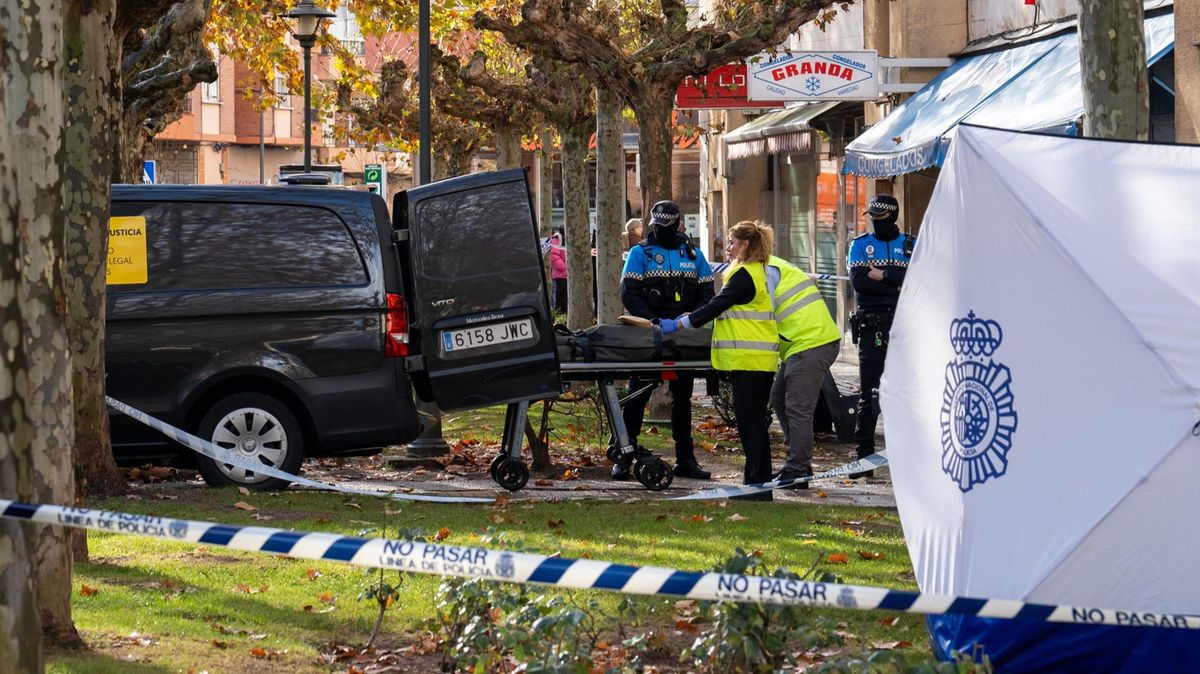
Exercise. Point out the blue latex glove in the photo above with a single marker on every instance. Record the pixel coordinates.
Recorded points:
(667, 326)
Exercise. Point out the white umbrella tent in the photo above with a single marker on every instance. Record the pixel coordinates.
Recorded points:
(1042, 395)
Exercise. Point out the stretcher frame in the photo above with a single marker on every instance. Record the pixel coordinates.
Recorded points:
(508, 469)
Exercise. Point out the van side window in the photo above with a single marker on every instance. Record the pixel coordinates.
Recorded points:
(222, 246)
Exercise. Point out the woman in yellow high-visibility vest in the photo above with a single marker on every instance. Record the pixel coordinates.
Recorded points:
(745, 342)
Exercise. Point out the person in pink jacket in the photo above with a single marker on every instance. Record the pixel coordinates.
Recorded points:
(558, 271)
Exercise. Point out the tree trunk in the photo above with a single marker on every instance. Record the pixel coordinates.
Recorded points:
(1112, 58)
(20, 625)
(93, 87)
(575, 212)
(508, 147)
(610, 205)
(653, 110)
(36, 392)
(546, 184)
(545, 202)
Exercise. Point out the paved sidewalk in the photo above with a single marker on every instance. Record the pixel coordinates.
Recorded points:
(592, 481)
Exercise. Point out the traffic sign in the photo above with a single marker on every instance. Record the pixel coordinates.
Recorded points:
(149, 171)
(375, 178)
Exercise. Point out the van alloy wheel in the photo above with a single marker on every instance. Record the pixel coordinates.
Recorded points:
(253, 434)
(256, 427)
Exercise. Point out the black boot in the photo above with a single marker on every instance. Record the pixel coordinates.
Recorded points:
(786, 474)
(863, 473)
(620, 471)
(687, 467)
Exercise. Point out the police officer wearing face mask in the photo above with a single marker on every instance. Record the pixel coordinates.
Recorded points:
(665, 276)
(878, 261)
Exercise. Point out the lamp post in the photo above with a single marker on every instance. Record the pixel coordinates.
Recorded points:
(307, 18)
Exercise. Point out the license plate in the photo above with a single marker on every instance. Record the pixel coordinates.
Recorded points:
(487, 335)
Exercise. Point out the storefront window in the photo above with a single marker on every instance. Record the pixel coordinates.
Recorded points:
(795, 209)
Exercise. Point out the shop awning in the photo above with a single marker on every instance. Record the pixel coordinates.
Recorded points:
(778, 131)
(1031, 87)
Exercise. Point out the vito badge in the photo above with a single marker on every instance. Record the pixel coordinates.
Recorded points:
(977, 417)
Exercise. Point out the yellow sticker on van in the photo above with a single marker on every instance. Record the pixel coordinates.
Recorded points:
(126, 250)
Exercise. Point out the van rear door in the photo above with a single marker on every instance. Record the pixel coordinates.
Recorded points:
(479, 323)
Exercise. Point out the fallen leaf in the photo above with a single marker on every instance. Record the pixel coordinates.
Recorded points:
(88, 591)
(312, 573)
(890, 622)
(555, 523)
(327, 597)
(501, 501)
(890, 645)
(242, 505)
(543, 482)
(821, 494)
(851, 523)
(659, 518)
(686, 626)
(736, 518)
(352, 504)
(166, 497)
(219, 644)
(698, 519)
(243, 490)
(866, 554)
(708, 446)
(852, 532)
(261, 517)
(571, 474)
(442, 534)
(838, 558)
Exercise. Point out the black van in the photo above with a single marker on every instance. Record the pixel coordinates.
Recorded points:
(275, 321)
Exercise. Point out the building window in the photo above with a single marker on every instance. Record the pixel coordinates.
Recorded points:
(282, 92)
(187, 104)
(211, 91)
(355, 47)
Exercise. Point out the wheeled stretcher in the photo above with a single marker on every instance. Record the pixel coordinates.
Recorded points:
(510, 472)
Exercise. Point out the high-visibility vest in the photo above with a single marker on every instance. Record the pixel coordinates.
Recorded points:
(745, 336)
(800, 311)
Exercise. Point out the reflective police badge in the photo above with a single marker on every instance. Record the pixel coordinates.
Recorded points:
(978, 419)
(504, 566)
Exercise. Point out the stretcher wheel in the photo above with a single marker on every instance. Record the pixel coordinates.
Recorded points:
(496, 464)
(613, 453)
(655, 474)
(511, 474)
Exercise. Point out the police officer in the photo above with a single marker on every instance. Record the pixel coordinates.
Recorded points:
(665, 276)
(878, 261)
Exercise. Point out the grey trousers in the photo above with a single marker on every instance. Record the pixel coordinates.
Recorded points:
(794, 397)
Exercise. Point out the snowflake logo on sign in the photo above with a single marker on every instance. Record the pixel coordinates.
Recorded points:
(977, 417)
(813, 84)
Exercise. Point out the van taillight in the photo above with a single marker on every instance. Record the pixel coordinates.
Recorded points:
(396, 339)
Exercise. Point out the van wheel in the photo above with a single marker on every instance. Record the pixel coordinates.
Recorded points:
(259, 429)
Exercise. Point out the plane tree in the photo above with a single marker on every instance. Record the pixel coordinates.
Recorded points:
(642, 50)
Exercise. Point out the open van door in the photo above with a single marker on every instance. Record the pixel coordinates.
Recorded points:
(479, 323)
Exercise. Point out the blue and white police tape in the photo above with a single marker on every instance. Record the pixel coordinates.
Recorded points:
(871, 462)
(829, 277)
(584, 574)
(225, 456)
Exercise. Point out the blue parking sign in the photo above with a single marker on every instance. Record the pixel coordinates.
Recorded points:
(149, 171)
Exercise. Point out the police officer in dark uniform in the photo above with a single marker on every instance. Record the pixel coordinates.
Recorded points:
(878, 261)
(665, 276)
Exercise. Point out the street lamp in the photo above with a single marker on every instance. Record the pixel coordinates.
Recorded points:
(308, 17)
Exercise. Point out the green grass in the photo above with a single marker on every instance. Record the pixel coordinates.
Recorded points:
(181, 596)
